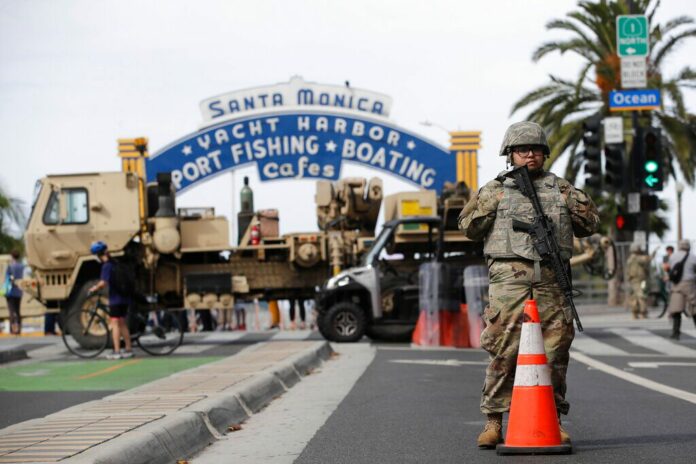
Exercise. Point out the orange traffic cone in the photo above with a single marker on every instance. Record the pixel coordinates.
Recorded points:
(533, 425)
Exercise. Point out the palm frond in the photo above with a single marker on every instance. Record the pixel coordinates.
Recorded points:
(669, 46)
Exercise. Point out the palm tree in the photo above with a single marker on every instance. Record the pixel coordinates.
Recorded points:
(562, 105)
(10, 214)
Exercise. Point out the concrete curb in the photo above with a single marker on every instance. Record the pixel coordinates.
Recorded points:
(184, 433)
(12, 354)
(162, 441)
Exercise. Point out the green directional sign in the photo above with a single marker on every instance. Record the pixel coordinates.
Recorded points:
(632, 35)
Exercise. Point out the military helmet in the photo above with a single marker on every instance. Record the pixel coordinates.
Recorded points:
(524, 133)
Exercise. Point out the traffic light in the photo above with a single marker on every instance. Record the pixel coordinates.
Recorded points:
(649, 202)
(592, 141)
(650, 159)
(625, 221)
(614, 167)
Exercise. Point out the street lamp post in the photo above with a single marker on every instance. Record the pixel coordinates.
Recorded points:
(680, 190)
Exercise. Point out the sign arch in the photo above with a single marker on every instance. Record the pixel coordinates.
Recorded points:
(303, 144)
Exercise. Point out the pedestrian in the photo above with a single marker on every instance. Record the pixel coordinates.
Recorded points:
(299, 303)
(274, 313)
(517, 273)
(665, 286)
(14, 273)
(118, 302)
(682, 297)
(638, 270)
(240, 315)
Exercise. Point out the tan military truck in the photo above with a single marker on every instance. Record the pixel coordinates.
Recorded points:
(183, 255)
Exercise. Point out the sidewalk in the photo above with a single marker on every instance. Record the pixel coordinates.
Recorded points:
(169, 419)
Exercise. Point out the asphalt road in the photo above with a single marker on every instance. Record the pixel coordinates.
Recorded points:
(413, 405)
(401, 412)
(632, 393)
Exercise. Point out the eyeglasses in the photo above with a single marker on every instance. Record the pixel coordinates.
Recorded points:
(535, 150)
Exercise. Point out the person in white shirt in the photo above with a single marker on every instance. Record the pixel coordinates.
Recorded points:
(683, 295)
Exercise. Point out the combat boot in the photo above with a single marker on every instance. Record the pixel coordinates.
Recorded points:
(676, 326)
(492, 432)
(565, 438)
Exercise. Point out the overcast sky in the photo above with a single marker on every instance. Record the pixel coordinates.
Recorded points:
(77, 75)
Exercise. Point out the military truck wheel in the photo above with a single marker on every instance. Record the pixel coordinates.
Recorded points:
(76, 320)
(344, 322)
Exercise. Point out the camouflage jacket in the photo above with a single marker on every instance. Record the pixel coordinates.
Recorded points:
(638, 267)
(479, 214)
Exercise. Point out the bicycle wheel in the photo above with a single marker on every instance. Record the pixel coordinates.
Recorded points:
(161, 332)
(85, 333)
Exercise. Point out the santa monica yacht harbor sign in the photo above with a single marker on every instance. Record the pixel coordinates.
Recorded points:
(301, 130)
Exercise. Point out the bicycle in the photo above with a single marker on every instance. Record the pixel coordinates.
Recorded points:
(86, 332)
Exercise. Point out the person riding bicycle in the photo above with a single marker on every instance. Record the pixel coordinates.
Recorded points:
(118, 303)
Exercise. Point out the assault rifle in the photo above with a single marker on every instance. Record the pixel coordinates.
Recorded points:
(543, 237)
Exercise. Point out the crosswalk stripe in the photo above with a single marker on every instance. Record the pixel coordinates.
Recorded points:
(592, 346)
(292, 335)
(689, 332)
(192, 349)
(196, 346)
(224, 336)
(647, 339)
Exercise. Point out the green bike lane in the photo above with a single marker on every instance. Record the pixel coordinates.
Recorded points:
(89, 375)
(32, 390)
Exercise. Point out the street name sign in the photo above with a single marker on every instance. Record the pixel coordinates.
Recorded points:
(632, 35)
(613, 129)
(634, 72)
(630, 100)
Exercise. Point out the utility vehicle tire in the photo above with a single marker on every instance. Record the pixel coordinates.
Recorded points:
(393, 334)
(344, 323)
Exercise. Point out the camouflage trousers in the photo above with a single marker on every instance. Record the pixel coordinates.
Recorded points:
(511, 283)
(637, 300)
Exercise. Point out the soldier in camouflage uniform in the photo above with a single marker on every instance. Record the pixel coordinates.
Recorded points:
(517, 273)
(638, 270)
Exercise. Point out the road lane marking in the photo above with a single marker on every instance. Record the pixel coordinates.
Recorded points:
(647, 339)
(592, 346)
(109, 369)
(656, 364)
(636, 379)
(440, 362)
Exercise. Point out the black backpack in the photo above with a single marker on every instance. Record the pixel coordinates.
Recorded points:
(122, 279)
(676, 272)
